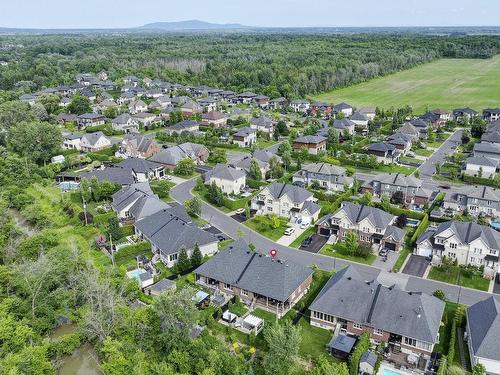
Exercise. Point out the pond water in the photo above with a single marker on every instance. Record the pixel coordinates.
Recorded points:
(83, 361)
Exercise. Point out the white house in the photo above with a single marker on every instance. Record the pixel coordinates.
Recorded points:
(125, 123)
(92, 142)
(245, 137)
(229, 179)
(71, 141)
(480, 166)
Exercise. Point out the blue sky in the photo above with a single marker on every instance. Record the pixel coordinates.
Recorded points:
(128, 13)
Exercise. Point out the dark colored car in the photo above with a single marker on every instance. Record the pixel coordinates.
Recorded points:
(307, 242)
(444, 186)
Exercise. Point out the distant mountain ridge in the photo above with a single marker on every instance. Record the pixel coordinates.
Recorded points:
(191, 25)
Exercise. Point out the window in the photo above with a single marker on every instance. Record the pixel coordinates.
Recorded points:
(357, 326)
(172, 257)
(453, 245)
(244, 292)
(410, 341)
(378, 332)
(269, 201)
(452, 255)
(270, 209)
(477, 251)
(227, 286)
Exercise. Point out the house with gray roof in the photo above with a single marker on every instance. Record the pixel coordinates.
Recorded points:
(476, 200)
(373, 226)
(361, 121)
(313, 143)
(481, 166)
(90, 119)
(91, 142)
(125, 123)
(488, 150)
(172, 155)
(285, 200)
(465, 243)
(135, 145)
(389, 183)
(368, 363)
(142, 169)
(483, 331)
(330, 177)
(159, 287)
(189, 126)
(262, 124)
(262, 158)
(168, 234)
(300, 105)
(344, 108)
(245, 137)
(270, 283)
(385, 152)
(464, 115)
(116, 175)
(407, 321)
(344, 126)
(229, 179)
(491, 114)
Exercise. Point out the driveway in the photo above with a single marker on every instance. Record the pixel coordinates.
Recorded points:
(217, 232)
(235, 156)
(235, 230)
(496, 287)
(416, 265)
(240, 218)
(387, 265)
(317, 243)
(428, 168)
(287, 240)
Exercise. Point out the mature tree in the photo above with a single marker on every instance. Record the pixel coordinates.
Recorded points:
(185, 167)
(315, 185)
(401, 221)
(276, 134)
(283, 341)
(275, 221)
(284, 147)
(193, 206)
(286, 158)
(275, 168)
(282, 128)
(385, 203)
(325, 366)
(351, 242)
(254, 171)
(333, 138)
(196, 256)
(50, 103)
(215, 194)
(114, 228)
(398, 197)
(218, 156)
(79, 105)
(37, 141)
(40, 112)
(177, 311)
(161, 188)
(366, 199)
(13, 113)
(183, 262)
(465, 137)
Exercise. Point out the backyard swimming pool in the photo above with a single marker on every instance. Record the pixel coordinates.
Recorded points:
(495, 225)
(386, 371)
(134, 274)
(412, 222)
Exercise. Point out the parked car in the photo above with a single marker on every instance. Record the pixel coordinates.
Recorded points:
(240, 211)
(411, 154)
(289, 231)
(444, 186)
(307, 242)
(304, 225)
(498, 278)
(383, 252)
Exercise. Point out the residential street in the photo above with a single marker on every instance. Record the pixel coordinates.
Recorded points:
(428, 168)
(234, 229)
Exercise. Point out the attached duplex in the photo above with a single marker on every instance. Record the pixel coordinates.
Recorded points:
(329, 177)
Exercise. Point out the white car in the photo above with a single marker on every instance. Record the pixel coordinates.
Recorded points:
(240, 211)
(304, 225)
(289, 231)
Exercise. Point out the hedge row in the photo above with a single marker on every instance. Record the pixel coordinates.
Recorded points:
(130, 252)
(481, 181)
(362, 346)
(420, 229)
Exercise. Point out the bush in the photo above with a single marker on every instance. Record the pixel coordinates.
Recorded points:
(362, 346)
(420, 229)
(438, 293)
(86, 217)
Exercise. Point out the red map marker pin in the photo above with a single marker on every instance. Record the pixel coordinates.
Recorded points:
(273, 252)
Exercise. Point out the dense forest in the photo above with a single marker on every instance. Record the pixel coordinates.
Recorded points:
(272, 64)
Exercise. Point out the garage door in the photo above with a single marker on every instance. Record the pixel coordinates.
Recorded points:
(324, 231)
(390, 246)
(424, 251)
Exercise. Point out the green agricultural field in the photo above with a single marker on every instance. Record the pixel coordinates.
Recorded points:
(446, 83)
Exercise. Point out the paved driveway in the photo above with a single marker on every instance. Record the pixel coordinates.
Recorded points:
(287, 240)
(416, 265)
(317, 243)
(428, 168)
(240, 218)
(496, 287)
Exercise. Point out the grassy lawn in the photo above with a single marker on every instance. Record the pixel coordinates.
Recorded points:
(262, 224)
(238, 308)
(264, 143)
(435, 144)
(403, 254)
(410, 159)
(329, 250)
(450, 275)
(445, 83)
(445, 329)
(308, 232)
(391, 168)
(422, 152)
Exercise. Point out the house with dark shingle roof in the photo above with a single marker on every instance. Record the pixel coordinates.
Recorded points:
(483, 331)
(214, 119)
(261, 157)
(372, 225)
(125, 123)
(480, 166)
(465, 243)
(96, 141)
(117, 175)
(344, 126)
(344, 108)
(169, 234)
(189, 126)
(263, 124)
(464, 114)
(172, 155)
(142, 169)
(475, 199)
(385, 153)
(90, 119)
(491, 114)
(138, 146)
(313, 143)
(407, 321)
(270, 283)
(285, 200)
(245, 137)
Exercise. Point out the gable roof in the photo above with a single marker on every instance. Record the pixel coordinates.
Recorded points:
(117, 175)
(140, 142)
(484, 328)
(482, 161)
(325, 169)
(295, 193)
(468, 232)
(93, 138)
(127, 195)
(225, 172)
(358, 212)
(174, 154)
(342, 124)
(255, 272)
(140, 165)
(381, 147)
(310, 139)
(347, 295)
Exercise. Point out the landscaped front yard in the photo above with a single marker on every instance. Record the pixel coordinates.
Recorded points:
(339, 251)
(264, 225)
(423, 152)
(450, 275)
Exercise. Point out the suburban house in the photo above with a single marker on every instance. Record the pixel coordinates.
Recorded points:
(278, 103)
(320, 107)
(269, 283)
(246, 97)
(408, 322)
(143, 170)
(464, 114)
(261, 101)
(491, 114)
(492, 133)
(369, 112)
(169, 234)
(116, 175)
(90, 119)
(96, 141)
(125, 123)
(262, 124)
(261, 157)
(466, 243)
(135, 202)
(229, 179)
(483, 331)
(172, 155)
(146, 119)
(401, 141)
(421, 126)
(289, 201)
(373, 226)
(385, 153)
(389, 183)
(214, 119)
(475, 199)
(137, 106)
(71, 141)
(208, 104)
(328, 176)
(481, 166)
(313, 143)
(301, 106)
(410, 130)
(361, 121)
(345, 126)
(64, 118)
(436, 117)
(245, 137)
(189, 126)
(344, 108)
(190, 108)
(489, 150)
(138, 146)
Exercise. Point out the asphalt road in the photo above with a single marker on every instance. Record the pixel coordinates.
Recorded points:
(236, 230)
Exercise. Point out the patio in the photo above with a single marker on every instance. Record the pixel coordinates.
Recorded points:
(412, 363)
